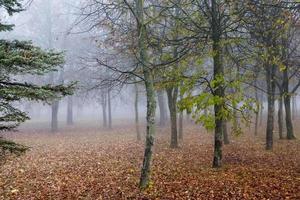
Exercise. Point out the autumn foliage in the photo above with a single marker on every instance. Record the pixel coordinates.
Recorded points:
(93, 164)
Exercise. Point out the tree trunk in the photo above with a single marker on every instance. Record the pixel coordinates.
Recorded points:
(288, 118)
(150, 94)
(280, 117)
(55, 104)
(54, 118)
(256, 123)
(271, 106)
(136, 108)
(162, 109)
(70, 111)
(172, 100)
(261, 109)
(257, 112)
(180, 125)
(287, 106)
(109, 109)
(104, 114)
(219, 88)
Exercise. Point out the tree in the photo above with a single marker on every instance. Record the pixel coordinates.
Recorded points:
(162, 109)
(150, 93)
(267, 24)
(136, 111)
(23, 58)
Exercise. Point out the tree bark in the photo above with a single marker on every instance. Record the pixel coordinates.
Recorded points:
(109, 109)
(287, 106)
(104, 105)
(162, 109)
(150, 94)
(257, 112)
(136, 109)
(288, 118)
(55, 104)
(70, 111)
(54, 116)
(180, 125)
(280, 117)
(172, 100)
(271, 106)
(219, 88)
(261, 109)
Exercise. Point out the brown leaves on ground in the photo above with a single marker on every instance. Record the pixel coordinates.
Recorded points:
(95, 164)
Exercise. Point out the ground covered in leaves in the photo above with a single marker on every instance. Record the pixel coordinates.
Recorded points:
(81, 163)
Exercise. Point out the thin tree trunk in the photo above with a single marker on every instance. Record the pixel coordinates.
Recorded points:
(54, 118)
(256, 123)
(136, 108)
(257, 112)
(162, 109)
(104, 105)
(150, 94)
(180, 125)
(109, 109)
(172, 99)
(280, 117)
(261, 113)
(70, 111)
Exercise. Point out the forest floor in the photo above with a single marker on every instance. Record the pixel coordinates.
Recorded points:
(81, 163)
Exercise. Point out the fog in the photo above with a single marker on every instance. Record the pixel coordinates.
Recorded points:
(53, 25)
(149, 99)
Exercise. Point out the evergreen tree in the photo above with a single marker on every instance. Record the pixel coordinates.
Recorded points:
(23, 58)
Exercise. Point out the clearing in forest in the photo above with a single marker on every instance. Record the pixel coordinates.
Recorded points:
(106, 165)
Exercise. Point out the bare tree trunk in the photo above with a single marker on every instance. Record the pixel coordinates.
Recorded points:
(70, 111)
(257, 112)
(109, 109)
(54, 118)
(288, 118)
(103, 104)
(180, 125)
(162, 109)
(287, 106)
(261, 109)
(271, 106)
(136, 108)
(172, 100)
(150, 93)
(256, 123)
(280, 117)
